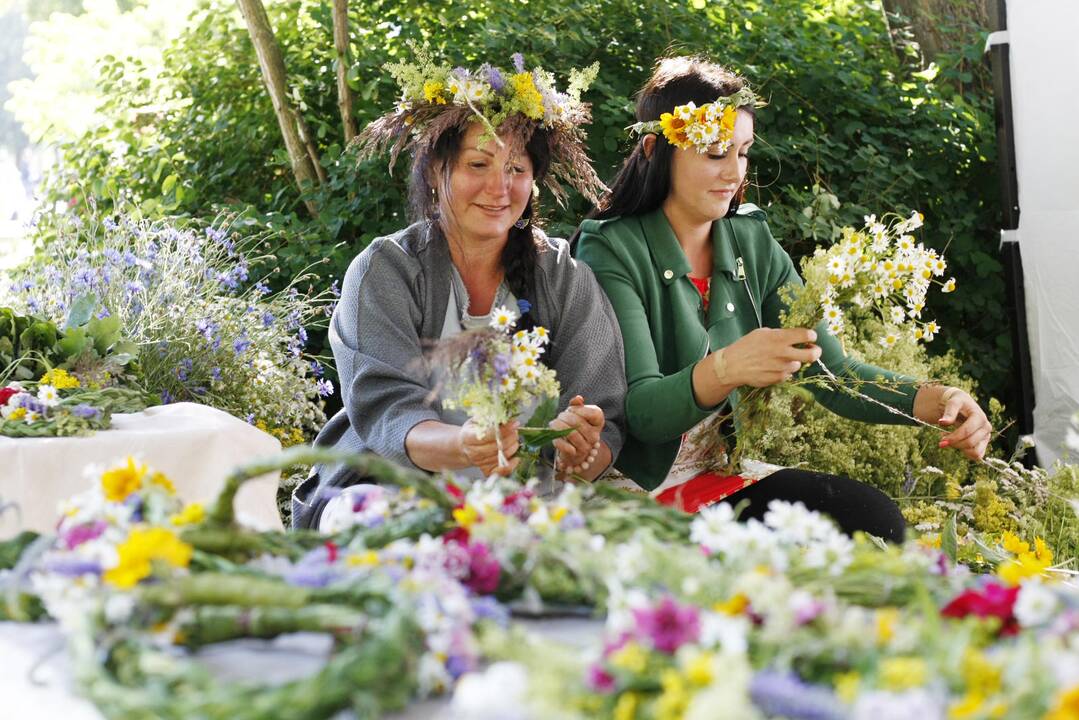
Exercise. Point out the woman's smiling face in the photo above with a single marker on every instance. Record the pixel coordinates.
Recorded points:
(489, 187)
(703, 184)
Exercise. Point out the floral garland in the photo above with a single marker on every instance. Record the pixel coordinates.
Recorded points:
(700, 128)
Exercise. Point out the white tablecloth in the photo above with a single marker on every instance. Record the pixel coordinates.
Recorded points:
(37, 684)
(195, 445)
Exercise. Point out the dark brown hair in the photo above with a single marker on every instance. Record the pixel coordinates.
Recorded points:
(430, 176)
(643, 183)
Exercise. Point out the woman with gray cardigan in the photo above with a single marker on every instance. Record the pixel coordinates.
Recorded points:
(473, 248)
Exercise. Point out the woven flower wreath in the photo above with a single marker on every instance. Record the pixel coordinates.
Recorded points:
(689, 126)
(436, 98)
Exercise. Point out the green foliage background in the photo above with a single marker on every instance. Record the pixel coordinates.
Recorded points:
(851, 111)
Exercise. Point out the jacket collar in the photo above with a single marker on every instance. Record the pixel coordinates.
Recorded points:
(667, 254)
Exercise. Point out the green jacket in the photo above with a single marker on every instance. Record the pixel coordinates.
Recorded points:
(642, 268)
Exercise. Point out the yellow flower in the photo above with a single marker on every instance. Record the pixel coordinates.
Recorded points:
(886, 620)
(527, 95)
(59, 379)
(626, 707)
(1067, 707)
(902, 673)
(120, 482)
(190, 515)
(671, 705)
(968, 706)
(630, 657)
(370, 557)
(1042, 551)
(1027, 565)
(698, 669)
(734, 606)
(558, 513)
(142, 547)
(1012, 543)
(674, 129)
(432, 92)
(981, 676)
(162, 481)
(846, 686)
(466, 516)
(17, 414)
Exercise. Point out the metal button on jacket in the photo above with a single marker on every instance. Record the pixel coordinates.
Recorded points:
(668, 274)
(730, 307)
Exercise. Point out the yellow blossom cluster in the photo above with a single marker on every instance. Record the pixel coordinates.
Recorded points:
(1027, 563)
(143, 547)
(60, 379)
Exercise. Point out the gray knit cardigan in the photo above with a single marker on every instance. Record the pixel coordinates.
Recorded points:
(394, 300)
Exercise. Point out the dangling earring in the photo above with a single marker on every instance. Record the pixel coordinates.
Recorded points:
(435, 212)
(522, 222)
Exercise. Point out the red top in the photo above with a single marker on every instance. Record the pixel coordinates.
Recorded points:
(703, 286)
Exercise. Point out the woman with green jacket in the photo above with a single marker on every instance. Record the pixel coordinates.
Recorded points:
(694, 277)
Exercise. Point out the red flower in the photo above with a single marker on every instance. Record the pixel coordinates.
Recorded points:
(992, 601)
(457, 535)
(455, 491)
(6, 393)
(331, 551)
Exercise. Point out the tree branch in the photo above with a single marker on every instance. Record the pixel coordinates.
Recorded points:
(340, 44)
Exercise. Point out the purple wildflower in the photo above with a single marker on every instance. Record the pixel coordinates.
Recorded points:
(129, 258)
(82, 533)
(84, 411)
(315, 569)
(669, 625)
(301, 335)
(112, 256)
(518, 62)
(250, 419)
(488, 608)
(316, 368)
(241, 344)
(110, 224)
(483, 569)
(261, 288)
(72, 567)
(780, 694)
(103, 313)
(458, 665)
(184, 369)
(167, 397)
(335, 289)
(495, 79)
(267, 319)
(84, 278)
(215, 373)
(324, 388)
(500, 363)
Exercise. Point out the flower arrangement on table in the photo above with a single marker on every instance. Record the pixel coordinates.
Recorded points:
(206, 327)
(65, 381)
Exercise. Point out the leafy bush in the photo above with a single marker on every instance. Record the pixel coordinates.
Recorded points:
(851, 111)
(179, 294)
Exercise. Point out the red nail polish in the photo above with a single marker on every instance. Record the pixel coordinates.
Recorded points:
(943, 443)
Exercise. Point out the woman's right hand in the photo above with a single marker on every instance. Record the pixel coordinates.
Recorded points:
(480, 447)
(768, 356)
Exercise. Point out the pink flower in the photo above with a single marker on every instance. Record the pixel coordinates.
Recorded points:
(483, 571)
(992, 601)
(599, 679)
(669, 625)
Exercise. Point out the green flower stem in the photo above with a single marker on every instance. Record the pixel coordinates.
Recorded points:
(224, 589)
(223, 514)
(216, 624)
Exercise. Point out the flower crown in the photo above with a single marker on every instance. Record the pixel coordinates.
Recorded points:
(689, 126)
(436, 98)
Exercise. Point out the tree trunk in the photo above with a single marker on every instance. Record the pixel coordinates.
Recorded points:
(340, 44)
(927, 16)
(301, 153)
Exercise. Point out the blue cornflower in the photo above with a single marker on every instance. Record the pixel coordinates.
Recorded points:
(261, 288)
(301, 335)
(500, 363)
(335, 289)
(215, 373)
(110, 224)
(84, 278)
(240, 345)
(129, 258)
(250, 418)
(267, 319)
(103, 313)
(209, 329)
(112, 255)
(131, 287)
(33, 306)
(183, 369)
(316, 368)
(495, 79)
(215, 234)
(166, 397)
(524, 306)
(324, 388)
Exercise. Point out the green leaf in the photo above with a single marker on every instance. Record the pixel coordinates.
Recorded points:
(105, 332)
(949, 540)
(81, 311)
(545, 412)
(534, 438)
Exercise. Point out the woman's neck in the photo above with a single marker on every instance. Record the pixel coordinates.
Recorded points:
(479, 262)
(694, 235)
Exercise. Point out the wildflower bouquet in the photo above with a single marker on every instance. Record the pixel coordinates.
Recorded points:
(205, 330)
(65, 381)
(496, 377)
(879, 269)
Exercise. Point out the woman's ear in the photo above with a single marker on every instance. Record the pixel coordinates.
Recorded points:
(649, 144)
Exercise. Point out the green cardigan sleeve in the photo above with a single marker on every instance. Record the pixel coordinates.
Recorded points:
(892, 389)
(659, 408)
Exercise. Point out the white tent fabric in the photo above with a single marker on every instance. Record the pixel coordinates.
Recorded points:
(1044, 51)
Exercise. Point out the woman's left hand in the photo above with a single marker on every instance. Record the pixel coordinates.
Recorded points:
(579, 449)
(955, 405)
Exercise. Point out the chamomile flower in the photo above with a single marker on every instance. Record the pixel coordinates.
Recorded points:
(896, 314)
(949, 286)
(48, 395)
(503, 318)
(889, 339)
